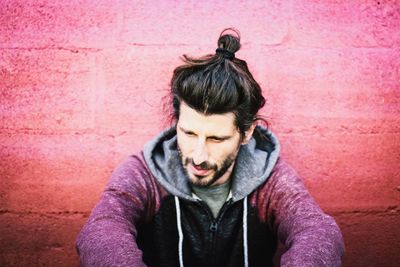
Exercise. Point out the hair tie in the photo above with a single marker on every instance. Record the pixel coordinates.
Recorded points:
(225, 53)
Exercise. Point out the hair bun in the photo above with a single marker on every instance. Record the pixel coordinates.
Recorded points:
(228, 41)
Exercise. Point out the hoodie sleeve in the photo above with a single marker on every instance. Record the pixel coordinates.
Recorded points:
(109, 236)
(311, 237)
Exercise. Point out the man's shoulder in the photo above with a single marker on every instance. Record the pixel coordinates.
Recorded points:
(282, 166)
(134, 160)
(282, 174)
(134, 166)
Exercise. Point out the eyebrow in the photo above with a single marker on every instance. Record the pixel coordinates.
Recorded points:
(222, 137)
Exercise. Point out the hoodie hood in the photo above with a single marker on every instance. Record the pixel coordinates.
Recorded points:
(253, 165)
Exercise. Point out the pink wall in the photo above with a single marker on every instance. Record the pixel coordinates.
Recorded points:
(81, 84)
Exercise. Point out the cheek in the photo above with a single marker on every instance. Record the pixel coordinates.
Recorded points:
(220, 153)
(185, 145)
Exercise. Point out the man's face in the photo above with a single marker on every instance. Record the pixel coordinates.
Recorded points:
(208, 145)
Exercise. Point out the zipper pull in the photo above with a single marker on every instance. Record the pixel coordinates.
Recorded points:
(213, 227)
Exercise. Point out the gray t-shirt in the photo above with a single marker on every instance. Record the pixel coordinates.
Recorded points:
(213, 196)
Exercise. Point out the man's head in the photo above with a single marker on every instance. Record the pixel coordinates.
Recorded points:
(208, 145)
(215, 84)
(215, 99)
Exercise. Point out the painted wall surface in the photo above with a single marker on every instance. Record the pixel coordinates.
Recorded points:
(82, 84)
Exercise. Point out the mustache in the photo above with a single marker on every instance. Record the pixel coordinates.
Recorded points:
(205, 165)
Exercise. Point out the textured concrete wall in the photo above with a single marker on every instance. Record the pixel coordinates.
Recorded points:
(81, 84)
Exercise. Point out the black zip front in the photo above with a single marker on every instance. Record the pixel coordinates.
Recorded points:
(213, 228)
(207, 241)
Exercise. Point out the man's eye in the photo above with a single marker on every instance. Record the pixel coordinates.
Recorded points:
(189, 133)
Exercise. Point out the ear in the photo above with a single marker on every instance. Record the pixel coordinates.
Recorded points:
(249, 133)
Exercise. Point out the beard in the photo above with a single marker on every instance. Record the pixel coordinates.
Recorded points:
(205, 181)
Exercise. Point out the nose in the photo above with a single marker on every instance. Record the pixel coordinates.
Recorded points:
(200, 153)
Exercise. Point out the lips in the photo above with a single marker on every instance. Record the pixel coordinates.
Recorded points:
(198, 171)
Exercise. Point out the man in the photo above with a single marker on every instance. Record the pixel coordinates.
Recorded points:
(212, 190)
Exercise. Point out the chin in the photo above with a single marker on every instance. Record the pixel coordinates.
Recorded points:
(202, 181)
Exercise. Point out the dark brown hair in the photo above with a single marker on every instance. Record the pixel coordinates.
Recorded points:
(218, 83)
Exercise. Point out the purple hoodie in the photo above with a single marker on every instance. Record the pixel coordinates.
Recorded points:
(148, 216)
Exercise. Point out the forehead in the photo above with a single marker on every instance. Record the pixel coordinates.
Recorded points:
(214, 124)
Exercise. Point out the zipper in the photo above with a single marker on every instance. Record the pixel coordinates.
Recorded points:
(214, 227)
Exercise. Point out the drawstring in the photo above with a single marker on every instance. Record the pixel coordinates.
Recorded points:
(179, 225)
(245, 248)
